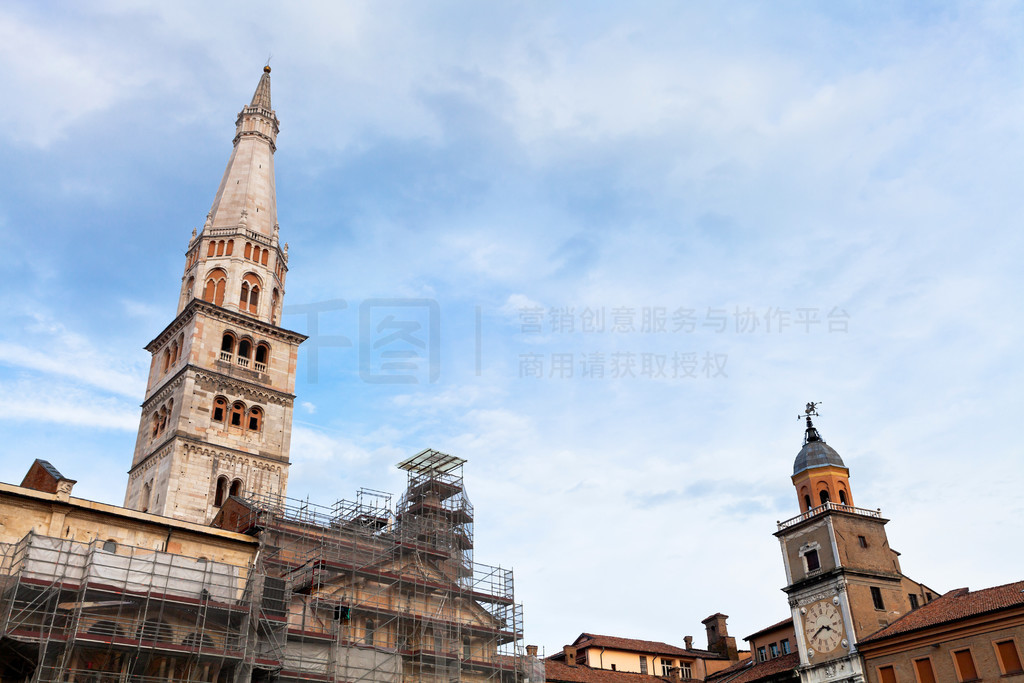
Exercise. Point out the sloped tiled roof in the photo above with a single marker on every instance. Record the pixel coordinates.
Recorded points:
(766, 629)
(634, 645)
(748, 672)
(957, 604)
(559, 671)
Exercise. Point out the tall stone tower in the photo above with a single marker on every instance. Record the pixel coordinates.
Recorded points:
(844, 581)
(217, 416)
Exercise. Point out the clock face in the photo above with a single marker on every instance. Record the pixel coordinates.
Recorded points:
(823, 626)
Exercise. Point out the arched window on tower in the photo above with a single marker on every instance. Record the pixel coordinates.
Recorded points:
(220, 409)
(273, 306)
(842, 497)
(144, 498)
(189, 292)
(222, 490)
(262, 354)
(823, 496)
(227, 347)
(216, 281)
(230, 248)
(256, 254)
(244, 352)
(251, 289)
(236, 487)
(248, 250)
(212, 251)
(174, 352)
(266, 257)
(220, 248)
(165, 360)
(807, 502)
(237, 413)
(255, 419)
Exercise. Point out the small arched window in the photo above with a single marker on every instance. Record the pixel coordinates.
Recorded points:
(212, 251)
(236, 487)
(222, 490)
(842, 497)
(231, 248)
(273, 306)
(174, 352)
(245, 349)
(807, 502)
(166, 363)
(220, 409)
(266, 257)
(248, 250)
(256, 254)
(371, 631)
(144, 498)
(255, 421)
(181, 347)
(237, 413)
(262, 353)
(220, 248)
(190, 288)
(252, 292)
(823, 496)
(216, 281)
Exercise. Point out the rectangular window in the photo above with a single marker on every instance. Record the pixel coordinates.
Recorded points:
(923, 668)
(812, 560)
(785, 646)
(762, 656)
(643, 665)
(876, 596)
(913, 601)
(614, 668)
(1009, 658)
(862, 541)
(886, 674)
(965, 666)
(773, 650)
(685, 671)
(666, 667)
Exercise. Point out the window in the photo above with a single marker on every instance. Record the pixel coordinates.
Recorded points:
(762, 655)
(262, 353)
(244, 349)
(965, 665)
(144, 498)
(823, 496)
(643, 665)
(216, 281)
(237, 411)
(913, 601)
(371, 631)
(1009, 658)
(467, 648)
(255, 421)
(222, 490)
(876, 597)
(266, 257)
(236, 487)
(614, 668)
(220, 408)
(842, 497)
(250, 297)
(684, 670)
(666, 667)
(248, 250)
(886, 674)
(785, 646)
(923, 667)
(807, 502)
(110, 546)
(773, 650)
(862, 542)
(811, 558)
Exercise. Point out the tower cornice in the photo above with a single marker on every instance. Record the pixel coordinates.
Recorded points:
(196, 306)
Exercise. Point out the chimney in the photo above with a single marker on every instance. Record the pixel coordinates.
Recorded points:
(719, 639)
(531, 650)
(570, 655)
(689, 642)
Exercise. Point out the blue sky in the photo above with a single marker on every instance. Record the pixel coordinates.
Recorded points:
(708, 165)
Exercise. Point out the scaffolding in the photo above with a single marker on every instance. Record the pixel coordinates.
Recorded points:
(358, 592)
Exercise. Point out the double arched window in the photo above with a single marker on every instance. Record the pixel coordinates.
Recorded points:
(224, 489)
(249, 298)
(161, 416)
(216, 282)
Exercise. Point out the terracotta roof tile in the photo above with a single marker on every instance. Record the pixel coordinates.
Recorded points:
(559, 671)
(787, 621)
(634, 645)
(957, 604)
(746, 672)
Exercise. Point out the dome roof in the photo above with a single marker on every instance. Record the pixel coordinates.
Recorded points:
(816, 453)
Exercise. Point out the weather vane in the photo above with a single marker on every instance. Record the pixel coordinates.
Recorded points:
(811, 409)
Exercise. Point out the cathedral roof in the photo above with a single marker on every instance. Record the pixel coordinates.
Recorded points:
(815, 453)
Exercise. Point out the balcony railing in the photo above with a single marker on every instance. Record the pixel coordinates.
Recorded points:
(830, 506)
(226, 356)
(243, 361)
(259, 367)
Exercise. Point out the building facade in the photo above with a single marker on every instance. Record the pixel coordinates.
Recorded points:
(209, 573)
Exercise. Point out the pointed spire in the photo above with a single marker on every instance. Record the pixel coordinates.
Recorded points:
(247, 187)
(261, 98)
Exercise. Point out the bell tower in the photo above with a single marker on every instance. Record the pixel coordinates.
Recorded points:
(844, 581)
(217, 416)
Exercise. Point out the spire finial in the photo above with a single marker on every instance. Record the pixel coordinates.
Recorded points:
(811, 434)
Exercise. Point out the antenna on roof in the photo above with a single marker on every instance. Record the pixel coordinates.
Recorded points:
(269, 55)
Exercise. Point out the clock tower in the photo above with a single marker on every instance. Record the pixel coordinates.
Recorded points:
(843, 580)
